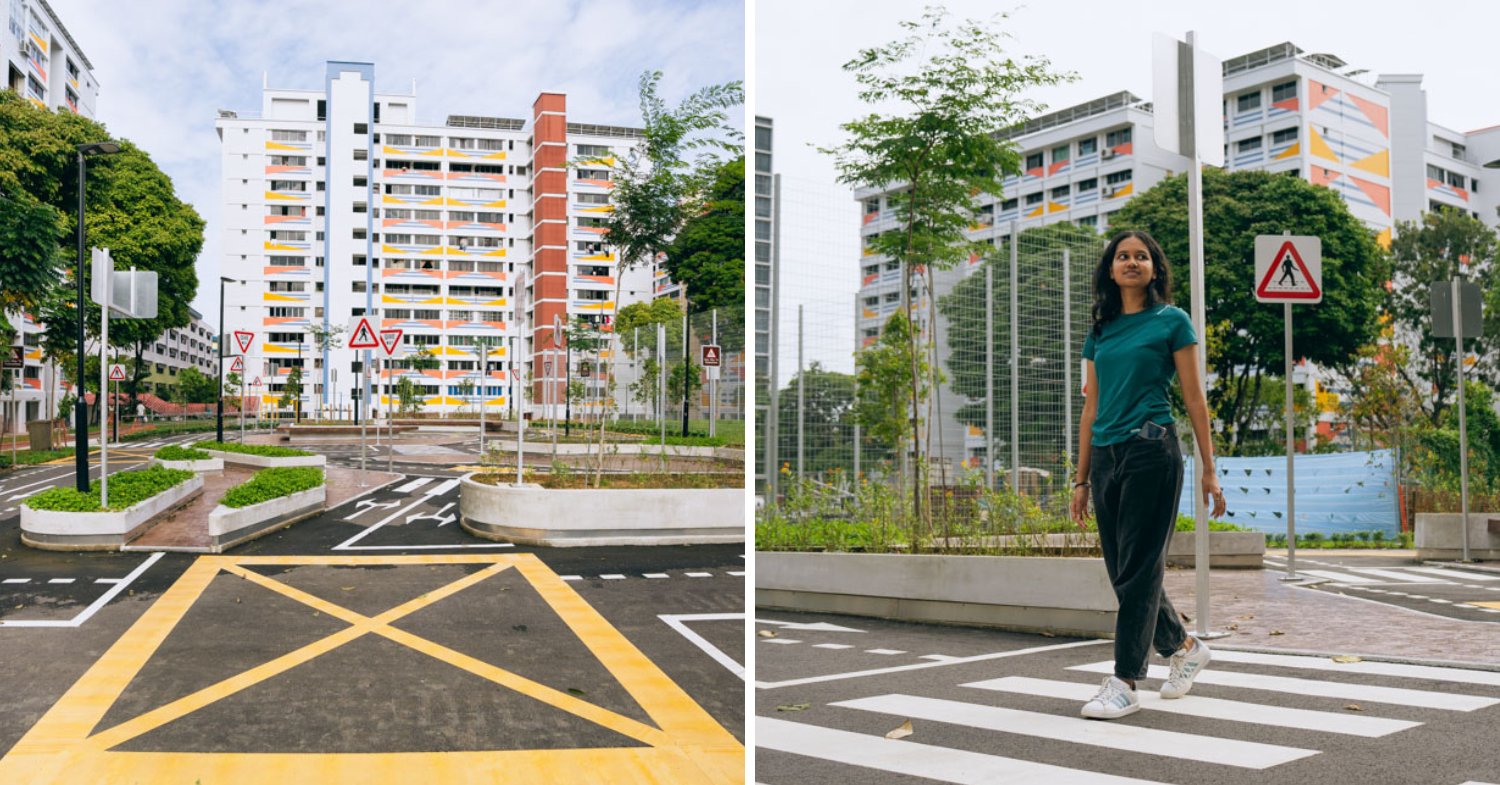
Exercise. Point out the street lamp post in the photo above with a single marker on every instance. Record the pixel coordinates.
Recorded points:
(222, 334)
(81, 412)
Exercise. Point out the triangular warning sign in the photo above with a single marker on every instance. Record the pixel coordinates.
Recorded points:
(117, 373)
(364, 336)
(1288, 277)
(238, 365)
(389, 340)
(243, 339)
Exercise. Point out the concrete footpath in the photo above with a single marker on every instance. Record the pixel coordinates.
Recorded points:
(1258, 609)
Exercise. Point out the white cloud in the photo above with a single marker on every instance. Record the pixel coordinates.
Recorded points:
(165, 66)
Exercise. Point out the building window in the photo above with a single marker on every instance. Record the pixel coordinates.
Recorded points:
(1284, 135)
(1115, 178)
(1246, 145)
(1284, 91)
(1116, 138)
(361, 155)
(1090, 221)
(361, 128)
(1247, 102)
(1033, 161)
(1032, 199)
(1089, 145)
(288, 136)
(1061, 192)
(1060, 153)
(1088, 185)
(1008, 204)
(1455, 179)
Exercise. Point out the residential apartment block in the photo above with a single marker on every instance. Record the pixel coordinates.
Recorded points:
(1309, 116)
(195, 346)
(43, 63)
(765, 296)
(339, 203)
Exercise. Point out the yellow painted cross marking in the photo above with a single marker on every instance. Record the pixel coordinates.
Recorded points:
(65, 745)
(1495, 605)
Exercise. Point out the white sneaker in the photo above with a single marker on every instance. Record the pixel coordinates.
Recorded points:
(1185, 665)
(1115, 699)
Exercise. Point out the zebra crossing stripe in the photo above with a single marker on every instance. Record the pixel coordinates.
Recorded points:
(1426, 699)
(413, 485)
(1398, 577)
(1459, 574)
(1134, 738)
(939, 764)
(1341, 577)
(1210, 708)
(442, 487)
(1487, 678)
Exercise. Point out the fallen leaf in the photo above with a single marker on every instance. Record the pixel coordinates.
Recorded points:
(767, 633)
(1277, 632)
(1247, 617)
(1348, 658)
(315, 613)
(1353, 707)
(346, 588)
(795, 707)
(1049, 635)
(901, 732)
(19, 607)
(236, 599)
(576, 691)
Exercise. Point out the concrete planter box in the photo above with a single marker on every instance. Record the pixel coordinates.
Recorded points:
(533, 515)
(1066, 596)
(266, 461)
(1245, 550)
(214, 466)
(230, 526)
(55, 530)
(1439, 535)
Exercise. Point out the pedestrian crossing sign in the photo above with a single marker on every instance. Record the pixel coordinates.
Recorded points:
(1288, 269)
(116, 372)
(362, 334)
(238, 366)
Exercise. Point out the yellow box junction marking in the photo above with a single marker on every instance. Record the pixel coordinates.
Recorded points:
(1495, 605)
(64, 745)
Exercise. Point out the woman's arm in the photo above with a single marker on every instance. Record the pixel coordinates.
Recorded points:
(1080, 505)
(1186, 360)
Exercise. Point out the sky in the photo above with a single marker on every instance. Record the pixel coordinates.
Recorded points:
(166, 66)
(799, 48)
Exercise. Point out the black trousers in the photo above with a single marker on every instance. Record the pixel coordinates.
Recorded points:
(1136, 486)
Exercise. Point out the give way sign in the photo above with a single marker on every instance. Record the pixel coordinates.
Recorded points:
(1288, 269)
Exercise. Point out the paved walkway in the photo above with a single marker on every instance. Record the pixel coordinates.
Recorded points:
(187, 527)
(1257, 603)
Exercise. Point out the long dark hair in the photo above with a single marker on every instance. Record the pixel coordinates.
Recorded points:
(1107, 303)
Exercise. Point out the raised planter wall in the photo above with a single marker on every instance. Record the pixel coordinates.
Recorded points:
(230, 526)
(266, 461)
(1225, 549)
(1063, 595)
(533, 515)
(1439, 535)
(213, 466)
(56, 530)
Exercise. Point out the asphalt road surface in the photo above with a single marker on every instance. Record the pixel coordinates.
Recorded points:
(1398, 579)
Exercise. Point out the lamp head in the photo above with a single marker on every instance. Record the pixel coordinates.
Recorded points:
(103, 148)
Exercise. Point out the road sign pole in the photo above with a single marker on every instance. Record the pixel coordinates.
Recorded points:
(390, 430)
(103, 402)
(1291, 498)
(364, 391)
(1463, 430)
(1187, 119)
(484, 365)
(713, 383)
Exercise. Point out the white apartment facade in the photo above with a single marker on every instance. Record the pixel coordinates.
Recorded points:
(338, 203)
(1305, 115)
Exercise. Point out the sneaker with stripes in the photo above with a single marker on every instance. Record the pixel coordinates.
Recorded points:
(1115, 699)
(1184, 665)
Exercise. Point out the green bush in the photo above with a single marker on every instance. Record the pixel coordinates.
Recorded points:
(168, 429)
(126, 489)
(33, 457)
(174, 452)
(1185, 523)
(273, 483)
(267, 450)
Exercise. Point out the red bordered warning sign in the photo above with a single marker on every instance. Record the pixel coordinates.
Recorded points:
(243, 339)
(1288, 269)
(238, 366)
(117, 373)
(390, 340)
(362, 334)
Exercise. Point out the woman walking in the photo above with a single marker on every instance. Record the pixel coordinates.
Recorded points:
(1130, 460)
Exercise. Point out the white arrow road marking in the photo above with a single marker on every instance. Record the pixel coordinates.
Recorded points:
(818, 627)
(437, 516)
(370, 504)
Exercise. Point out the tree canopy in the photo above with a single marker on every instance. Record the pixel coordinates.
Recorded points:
(708, 255)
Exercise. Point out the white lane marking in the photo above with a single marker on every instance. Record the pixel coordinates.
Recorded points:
(764, 685)
(1164, 743)
(1489, 610)
(442, 488)
(413, 485)
(1210, 708)
(699, 574)
(678, 622)
(832, 646)
(106, 580)
(346, 544)
(782, 641)
(1426, 699)
(613, 577)
(61, 580)
(1456, 574)
(17, 580)
(93, 608)
(657, 575)
(737, 574)
(938, 657)
(1398, 577)
(821, 626)
(51, 479)
(884, 651)
(941, 764)
(1444, 602)
(1340, 577)
(571, 577)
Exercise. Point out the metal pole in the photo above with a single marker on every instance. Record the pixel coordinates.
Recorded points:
(989, 371)
(364, 394)
(104, 395)
(1463, 429)
(635, 343)
(773, 416)
(390, 431)
(858, 346)
(222, 336)
(1067, 272)
(1195, 245)
(1015, 356)
(80, 406)
(661, 387)
(1291, 501)
(801, 394)
(484, 372)
(568, 390)
(686, 370)
(713, 383)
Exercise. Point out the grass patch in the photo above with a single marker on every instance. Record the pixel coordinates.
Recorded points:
(174, 452)
(34, 457)
(126, 489)
(273, 483)
(1185, 523)
(267, 450)
(727, 432)
(170, 429)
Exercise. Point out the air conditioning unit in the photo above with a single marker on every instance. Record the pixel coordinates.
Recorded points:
(1105, 155)
(1109, 191)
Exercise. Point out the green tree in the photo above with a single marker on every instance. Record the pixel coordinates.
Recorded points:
(827, 420)
(884, 391)
(408, 392)
(708, 255)
(946, 93)
(196, 387)
(325, 338)
(1433, 250)
(1237, 206)
(1436, 458)
(637, 322)
(291, 390)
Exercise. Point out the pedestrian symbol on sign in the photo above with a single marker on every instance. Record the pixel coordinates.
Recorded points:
(1288, 269)
(116, 372)
(710, 355)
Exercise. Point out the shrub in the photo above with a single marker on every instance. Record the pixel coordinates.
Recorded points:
(126, 489)
(267, 450)
(174, 452)
(273, 483)
(1185, 523)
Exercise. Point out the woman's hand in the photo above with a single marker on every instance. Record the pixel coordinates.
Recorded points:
(1213, 497)
(1080, 506)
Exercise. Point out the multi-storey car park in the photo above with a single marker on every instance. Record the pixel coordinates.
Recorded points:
(1305, 115)
(338, 203)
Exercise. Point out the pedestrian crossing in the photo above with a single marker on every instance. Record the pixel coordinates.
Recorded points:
(1361, 576)
(1230, 705)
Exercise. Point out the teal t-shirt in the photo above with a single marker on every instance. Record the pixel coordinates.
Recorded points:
(1134, 368)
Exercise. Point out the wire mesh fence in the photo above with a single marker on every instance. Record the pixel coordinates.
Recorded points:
(664, 375)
